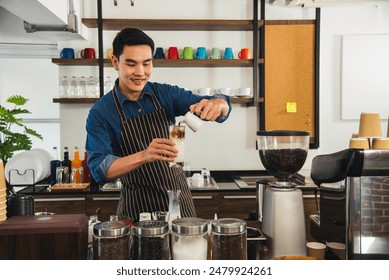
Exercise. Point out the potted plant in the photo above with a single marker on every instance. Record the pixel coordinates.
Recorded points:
(10, 141)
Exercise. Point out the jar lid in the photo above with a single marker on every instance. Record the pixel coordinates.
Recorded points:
(111, 229)
(151, 228)
(229, 226)
(189, 226)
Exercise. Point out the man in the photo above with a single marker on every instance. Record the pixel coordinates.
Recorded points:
(128, 135)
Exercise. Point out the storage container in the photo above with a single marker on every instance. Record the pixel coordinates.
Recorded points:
(189, 239)
(229, 239)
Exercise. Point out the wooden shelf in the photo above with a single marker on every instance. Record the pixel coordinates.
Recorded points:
(234, 100)
(173, 24)
(163, 62)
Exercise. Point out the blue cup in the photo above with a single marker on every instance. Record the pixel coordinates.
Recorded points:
(67, 53)
(228, 54)
(201, 53)
(159, 54)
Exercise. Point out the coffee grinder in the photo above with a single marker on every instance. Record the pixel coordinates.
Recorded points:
(280, 203)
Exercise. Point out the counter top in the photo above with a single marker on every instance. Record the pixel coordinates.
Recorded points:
(240, 180)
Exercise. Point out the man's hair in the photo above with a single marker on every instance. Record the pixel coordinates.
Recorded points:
(131, 37)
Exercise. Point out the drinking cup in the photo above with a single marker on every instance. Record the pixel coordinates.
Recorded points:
(88, 53)
(339, 249)
(359, 143)
(110, 53)
(215, 54)
(317, 250)
(159, 54)
(192, 121)
(225, 91)
(177, 135)
(244, 53)
(228, 54)
(380, 144)
(62, 175)
(67, 53)
(201, 53)
(187, 53)
(160, 216)
(171, 53)
(203, 91)
(77, 176)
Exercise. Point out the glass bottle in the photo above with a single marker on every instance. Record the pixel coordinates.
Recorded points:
(54, 163)
(86, 168)
(82, 87)
(64, 87)
(174, 205)
(77, 170)
(66, 161)
(91, 87)
(107, 84)
(73, 89)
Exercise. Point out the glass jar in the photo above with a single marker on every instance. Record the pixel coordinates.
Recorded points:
(229, 239)
(111, 241)
(189, 239)
(150, 241)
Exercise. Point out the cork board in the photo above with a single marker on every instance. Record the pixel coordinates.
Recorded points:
(290, 76)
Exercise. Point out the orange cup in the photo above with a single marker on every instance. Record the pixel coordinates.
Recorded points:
(244, 53)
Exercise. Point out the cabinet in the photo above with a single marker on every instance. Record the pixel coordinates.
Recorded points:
(61, 204)
(107, 203)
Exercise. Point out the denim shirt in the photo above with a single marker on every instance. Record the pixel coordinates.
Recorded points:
(103, 122)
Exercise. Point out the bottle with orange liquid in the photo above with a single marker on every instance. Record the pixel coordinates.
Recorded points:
(77, 169)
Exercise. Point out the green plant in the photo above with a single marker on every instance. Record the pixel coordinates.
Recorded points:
(10, 141)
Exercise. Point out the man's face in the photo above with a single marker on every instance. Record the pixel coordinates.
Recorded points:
(134, 67)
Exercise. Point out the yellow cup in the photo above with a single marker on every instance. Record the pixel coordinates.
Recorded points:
(359, 143)
(380, 144)
(370, 125)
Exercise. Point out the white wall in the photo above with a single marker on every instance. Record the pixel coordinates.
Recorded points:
(231, 145)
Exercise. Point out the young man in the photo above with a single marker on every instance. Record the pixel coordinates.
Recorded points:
(128, 135)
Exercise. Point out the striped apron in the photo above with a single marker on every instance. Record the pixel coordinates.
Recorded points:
(145, 189)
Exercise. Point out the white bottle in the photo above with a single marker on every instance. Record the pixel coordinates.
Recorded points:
(91, 87)
(73, 89)
(82, 87)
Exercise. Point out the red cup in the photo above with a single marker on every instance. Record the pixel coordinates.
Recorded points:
(244, 53)
(172, 53)
(88, 53)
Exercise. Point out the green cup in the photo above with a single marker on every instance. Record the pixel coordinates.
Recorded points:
(187, 53)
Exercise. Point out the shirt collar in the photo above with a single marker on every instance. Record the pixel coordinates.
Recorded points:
(122, 98)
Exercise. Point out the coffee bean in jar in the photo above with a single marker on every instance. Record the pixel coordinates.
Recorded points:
(151, 241)
(111, 241)
(229, 239)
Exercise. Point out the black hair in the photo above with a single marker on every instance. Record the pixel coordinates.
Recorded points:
(130, 37)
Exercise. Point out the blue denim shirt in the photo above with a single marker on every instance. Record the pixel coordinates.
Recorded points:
(103, 122)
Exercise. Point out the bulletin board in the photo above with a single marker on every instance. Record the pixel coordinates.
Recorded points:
(290, 76)
(365, 79)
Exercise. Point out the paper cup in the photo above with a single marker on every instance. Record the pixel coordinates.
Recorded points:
(359, 143)
(338, 249)
(192, 121)
(317, 250)
(370, 125)
(380, 144)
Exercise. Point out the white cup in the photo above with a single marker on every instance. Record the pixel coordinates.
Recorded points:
(225, 91)
(203, 91)
(197, 180)
(192, 121)
(317, 250)
(243, 91)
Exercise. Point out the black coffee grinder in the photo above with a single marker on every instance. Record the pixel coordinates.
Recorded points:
(283, 154)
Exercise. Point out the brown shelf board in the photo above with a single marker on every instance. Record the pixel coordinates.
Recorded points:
(173, 24)
(235, 100)
(75, 100)
(163, 62)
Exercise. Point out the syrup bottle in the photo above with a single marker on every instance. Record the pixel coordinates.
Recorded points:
(53, 166)
(86, 168)
(66, 161)
(77, 172)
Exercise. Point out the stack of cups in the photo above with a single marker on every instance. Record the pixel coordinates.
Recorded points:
(3, 199)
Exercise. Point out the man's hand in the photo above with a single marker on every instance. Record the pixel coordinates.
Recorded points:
(211, 109)
(160, 149)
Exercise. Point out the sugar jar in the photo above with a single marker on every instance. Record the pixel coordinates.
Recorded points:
(189, 239)
(150, 240)
(229, 239)
(111, 241)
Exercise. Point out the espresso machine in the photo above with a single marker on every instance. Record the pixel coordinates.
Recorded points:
(364, 175)
(280, 203)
